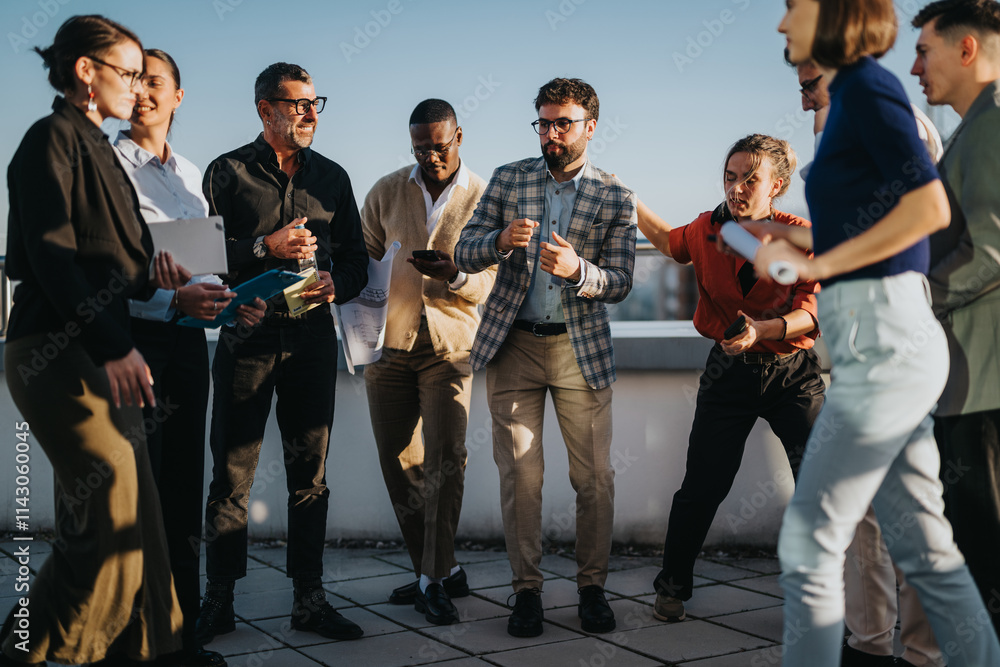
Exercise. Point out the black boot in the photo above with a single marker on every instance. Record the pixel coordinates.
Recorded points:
(216, 616)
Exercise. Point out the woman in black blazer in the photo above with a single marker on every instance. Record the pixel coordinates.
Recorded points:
(78, 246)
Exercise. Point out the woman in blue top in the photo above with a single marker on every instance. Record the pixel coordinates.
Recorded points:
(873, 196)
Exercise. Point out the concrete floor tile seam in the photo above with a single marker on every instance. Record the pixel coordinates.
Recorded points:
(714, 621)
(735, 564)
(607, 637)
(320, 640)
(735, 584)
(697, 617)
(250, 621)
(724, 655)
(486, 655)
(346, 580)
(753, 575)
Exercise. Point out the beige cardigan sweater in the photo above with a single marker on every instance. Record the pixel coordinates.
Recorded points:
(394, 210)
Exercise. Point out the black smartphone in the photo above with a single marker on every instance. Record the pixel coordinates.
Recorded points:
(426, 255)
(736, 328)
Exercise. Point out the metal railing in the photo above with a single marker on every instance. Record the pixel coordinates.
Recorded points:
(643, 248)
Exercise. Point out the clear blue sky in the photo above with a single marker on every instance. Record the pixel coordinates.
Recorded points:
(678, 80)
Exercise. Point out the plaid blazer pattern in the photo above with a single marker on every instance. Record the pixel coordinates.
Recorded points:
(602, 230)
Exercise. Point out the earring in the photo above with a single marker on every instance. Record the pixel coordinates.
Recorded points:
(91, 104)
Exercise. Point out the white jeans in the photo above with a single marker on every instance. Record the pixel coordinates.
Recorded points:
(873, 443)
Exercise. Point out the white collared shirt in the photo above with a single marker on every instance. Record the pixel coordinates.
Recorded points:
(168, 190)
(434, 209)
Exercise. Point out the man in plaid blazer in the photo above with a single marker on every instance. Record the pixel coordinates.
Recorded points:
(562, 233)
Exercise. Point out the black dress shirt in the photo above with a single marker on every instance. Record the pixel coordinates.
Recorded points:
(75, 238)
(255, 197)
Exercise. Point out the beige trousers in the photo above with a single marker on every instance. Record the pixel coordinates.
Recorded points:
(419, 406)
(870, 579)
(524, 369)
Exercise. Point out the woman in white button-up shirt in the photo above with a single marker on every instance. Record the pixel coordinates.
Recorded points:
(169, 187)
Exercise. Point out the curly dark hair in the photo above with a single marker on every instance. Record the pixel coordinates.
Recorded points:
(569, 91)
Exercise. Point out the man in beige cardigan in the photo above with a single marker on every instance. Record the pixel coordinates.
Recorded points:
(424, 378)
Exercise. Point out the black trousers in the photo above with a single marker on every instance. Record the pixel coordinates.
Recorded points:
(175, 436)
(297, 360)
(970, 472)
(732, 394)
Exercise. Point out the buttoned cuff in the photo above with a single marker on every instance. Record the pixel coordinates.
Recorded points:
(583, 275)
(496, 251)
(157, 308)
(459, 281)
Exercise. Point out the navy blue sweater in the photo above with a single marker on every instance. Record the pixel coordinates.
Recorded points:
(870, 156)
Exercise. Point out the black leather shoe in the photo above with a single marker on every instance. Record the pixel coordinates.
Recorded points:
(193, 657)
(456, 586)
(436, 606)
(594, 611)
(526, 619)
(852, 657)
(314, 614)
(215, 618)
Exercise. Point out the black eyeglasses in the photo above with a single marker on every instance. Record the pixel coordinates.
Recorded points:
(420, 153)
(128, 76)
(302, 105)
(810, 85)
(562, 125)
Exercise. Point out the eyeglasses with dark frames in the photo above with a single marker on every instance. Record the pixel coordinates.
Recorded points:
(810, 86)
(421, 154)
(563, 125)
(302, 105)
(127, 75)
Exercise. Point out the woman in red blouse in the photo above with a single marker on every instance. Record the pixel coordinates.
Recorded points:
(767, 369)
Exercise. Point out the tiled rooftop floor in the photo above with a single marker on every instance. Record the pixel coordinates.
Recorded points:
(734, 616)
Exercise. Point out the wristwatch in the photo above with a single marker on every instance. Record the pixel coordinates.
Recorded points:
(259, 248)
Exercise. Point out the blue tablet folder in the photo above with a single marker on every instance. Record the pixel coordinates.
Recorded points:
(264, 286)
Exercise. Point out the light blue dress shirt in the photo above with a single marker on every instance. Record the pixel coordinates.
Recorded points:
(168, 190)
(543, 303)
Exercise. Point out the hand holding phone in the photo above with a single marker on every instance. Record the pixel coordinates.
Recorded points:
(735, 329)
(426, 255)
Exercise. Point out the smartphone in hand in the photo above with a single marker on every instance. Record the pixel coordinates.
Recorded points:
(426, 255)
(736, 328)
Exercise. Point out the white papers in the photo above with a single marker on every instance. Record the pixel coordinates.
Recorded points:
(746, 244)
(197, 244)
(361, 321)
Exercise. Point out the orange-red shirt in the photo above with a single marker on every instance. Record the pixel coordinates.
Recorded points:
(720, 293)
